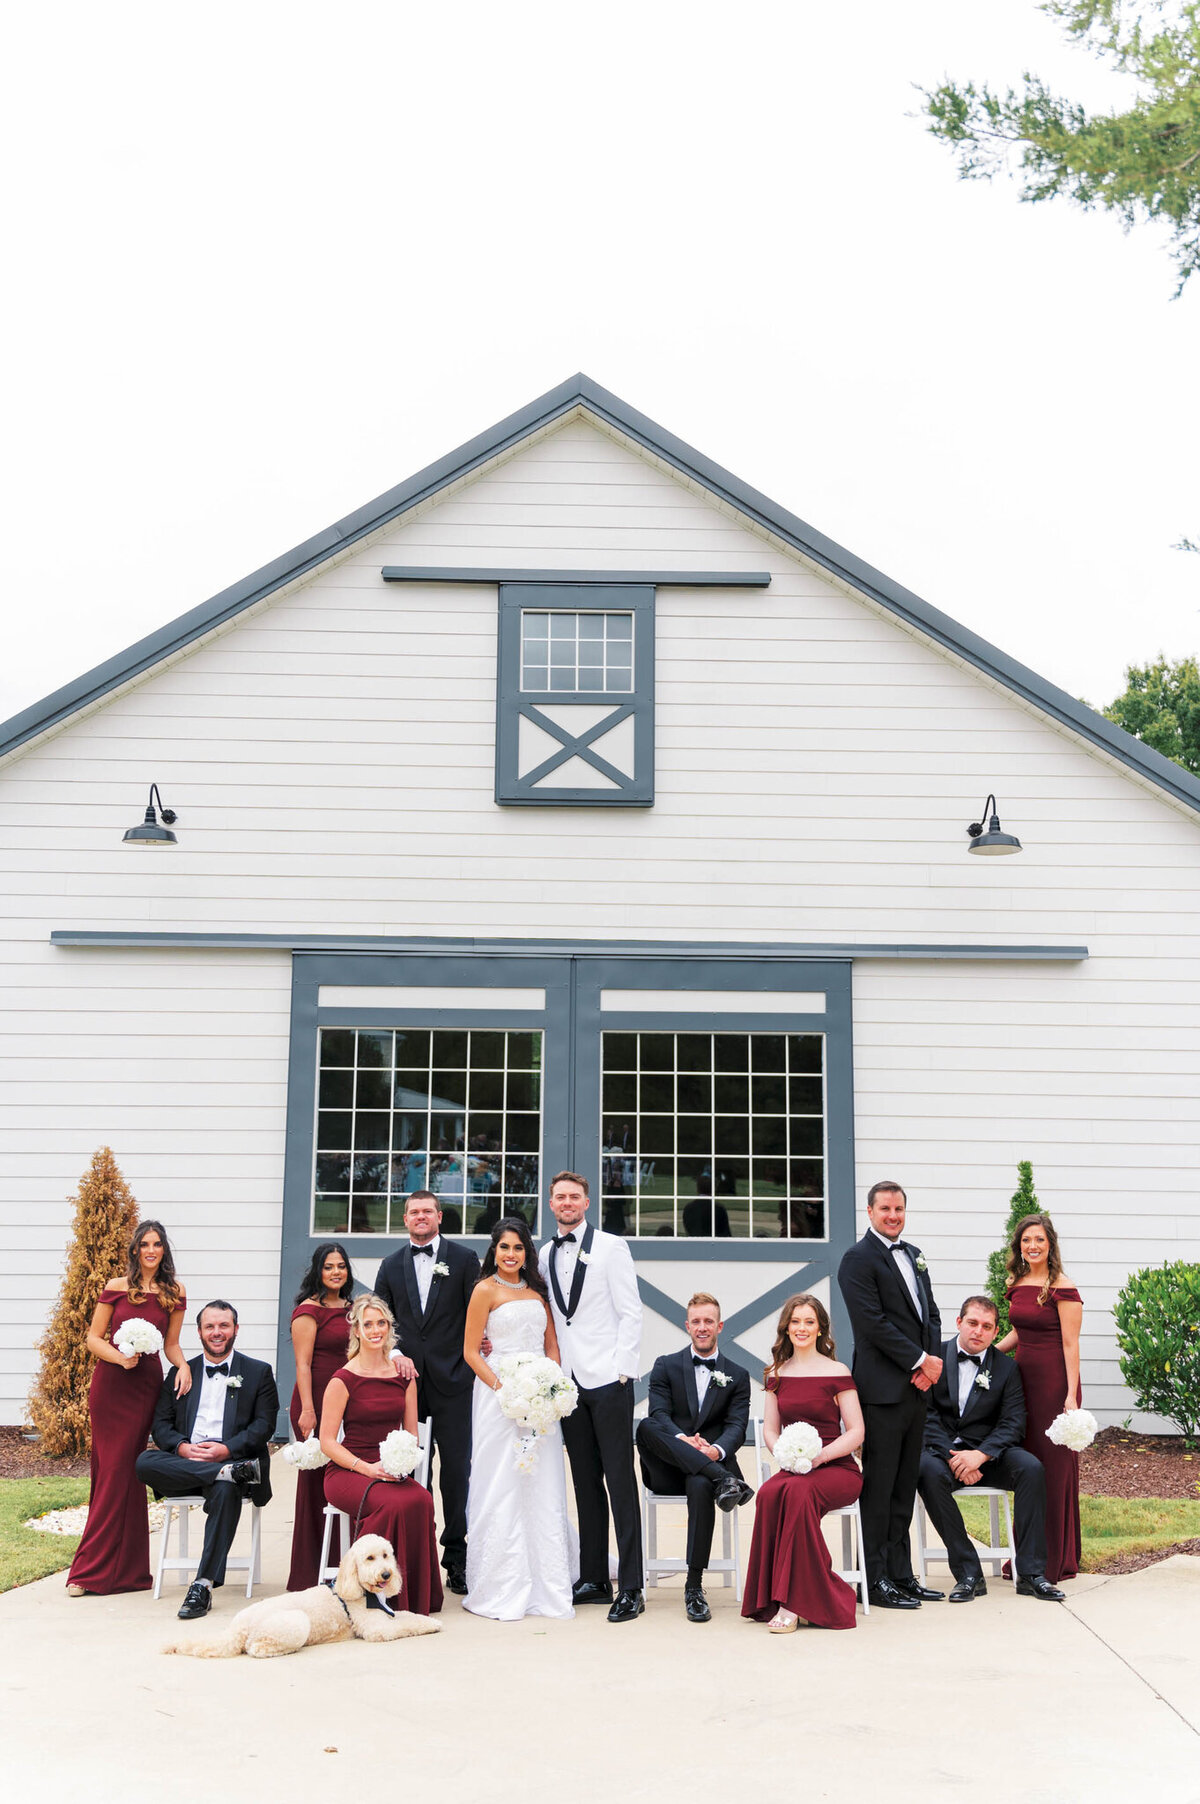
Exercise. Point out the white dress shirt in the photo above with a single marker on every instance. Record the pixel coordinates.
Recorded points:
(210, 1411)
(967, 1374)
(703, 1379)
(423, 1266)
(564, 1264)
(908, 1272)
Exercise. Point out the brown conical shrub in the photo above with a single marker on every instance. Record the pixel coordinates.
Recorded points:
(105, 1217)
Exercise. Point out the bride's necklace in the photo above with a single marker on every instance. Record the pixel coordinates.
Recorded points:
(510, 1283)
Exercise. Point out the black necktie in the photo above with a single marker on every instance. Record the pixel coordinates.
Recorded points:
(562, 1239)
(710, 1363)
(417, 1251)
(212, 1371)
(973, 1357)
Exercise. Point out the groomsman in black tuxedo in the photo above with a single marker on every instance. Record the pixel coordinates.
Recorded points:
(897, 1359)
(699, 1410)
(215, 1440)
(427, 1286)
(973, 1432)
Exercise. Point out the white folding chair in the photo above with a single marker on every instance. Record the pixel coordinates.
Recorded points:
(853, 1566)
(728, 1566)
(332, 1515)
(178, 1511)
(993, 1555)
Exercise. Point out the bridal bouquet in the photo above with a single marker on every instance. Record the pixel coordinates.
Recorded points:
(306, 1456)
(797, 1447)
(137, 1336)
(400, 1453)
(1075, 1428)
(535, 1394)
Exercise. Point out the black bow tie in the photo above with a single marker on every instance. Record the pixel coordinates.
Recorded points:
(212, 1371)
(710, 1363)
(417, 1251)
(901, 1246)
(973, 1357)
(561, 1240)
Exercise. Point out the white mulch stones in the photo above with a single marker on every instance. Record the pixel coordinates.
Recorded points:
(73, 1522)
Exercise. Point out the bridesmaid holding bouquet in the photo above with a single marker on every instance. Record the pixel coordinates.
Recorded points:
(319, 1336)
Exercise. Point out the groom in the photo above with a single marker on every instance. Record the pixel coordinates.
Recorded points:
(598, 1319)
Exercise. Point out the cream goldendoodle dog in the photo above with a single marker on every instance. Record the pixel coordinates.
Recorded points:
(341, 1612)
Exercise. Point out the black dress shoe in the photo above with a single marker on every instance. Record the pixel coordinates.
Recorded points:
(245, 1472)
(886, 1596)
(587, 1591)
(729, 1493)
(1040, 1587)
(968, 1588)
(696, 1604)
(627, 1607)
(456, 1580)
(914, 1588)
(198, 1602)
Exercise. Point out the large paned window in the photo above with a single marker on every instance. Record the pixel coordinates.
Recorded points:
(454, 1110)
(713, 1135)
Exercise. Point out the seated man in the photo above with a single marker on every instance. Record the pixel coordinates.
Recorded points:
(215, 1441)
(693, 1391)
(973, 1432)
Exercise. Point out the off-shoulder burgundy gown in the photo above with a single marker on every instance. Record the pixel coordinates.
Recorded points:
(114, 1554)
(789, 1565)
(329, 1355)
(1043, 1369)
(403, 1512)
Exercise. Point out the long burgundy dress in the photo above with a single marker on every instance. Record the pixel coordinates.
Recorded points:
(329, 1354)
(1043, 1369)
(114, 1554)
(789, 1565)
(403, 1512)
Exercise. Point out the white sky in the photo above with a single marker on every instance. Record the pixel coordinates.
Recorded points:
(267, 260)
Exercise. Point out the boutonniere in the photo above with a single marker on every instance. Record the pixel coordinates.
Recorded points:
(233, 1383)
(585, 1258)
(721, 1378)
(983, 1381)
(441, 1269)
(922, 1265)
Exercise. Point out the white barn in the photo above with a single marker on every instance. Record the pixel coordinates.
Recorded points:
(574, 804)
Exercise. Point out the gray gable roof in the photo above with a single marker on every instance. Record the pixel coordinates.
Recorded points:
(581, 391)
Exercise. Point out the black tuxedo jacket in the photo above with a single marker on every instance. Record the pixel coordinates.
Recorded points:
(251, 1409)
(433, 1340)
(889, 1334)
(994, 1417)
(675, 1407)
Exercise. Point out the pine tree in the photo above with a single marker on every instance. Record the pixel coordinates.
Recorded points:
(105, 1216)
(1024, 1202)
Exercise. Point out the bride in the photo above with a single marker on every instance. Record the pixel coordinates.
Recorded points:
(522, 1553)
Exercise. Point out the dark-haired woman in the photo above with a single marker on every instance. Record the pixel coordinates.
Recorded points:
(522, 1554)
(789, 1575)
(1046, 1313)
(114, 1554)
(319, 1336)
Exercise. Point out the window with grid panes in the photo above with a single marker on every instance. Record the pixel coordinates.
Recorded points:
(713, 1135)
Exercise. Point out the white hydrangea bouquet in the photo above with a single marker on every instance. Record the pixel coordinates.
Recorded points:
(535, 1394)
(797, 1447)
(1075, 1428)
(306, 1456)
(137, 1335)
(400, 1453)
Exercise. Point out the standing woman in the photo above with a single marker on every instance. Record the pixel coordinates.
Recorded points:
(789, 1571)
(319, 1336)
(367, 1398)
(114, 1554)
(1046, 1312)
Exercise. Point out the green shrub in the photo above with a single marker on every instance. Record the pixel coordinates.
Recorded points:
(1024, 1202)
(1158, 1333)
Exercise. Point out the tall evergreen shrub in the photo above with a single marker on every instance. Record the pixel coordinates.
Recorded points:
(1024, 1202)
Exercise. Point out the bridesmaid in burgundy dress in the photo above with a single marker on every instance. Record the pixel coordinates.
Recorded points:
(1046, 1312)
(319, 1334)
(367, 1398)
(790, 1575)
(114, 1554)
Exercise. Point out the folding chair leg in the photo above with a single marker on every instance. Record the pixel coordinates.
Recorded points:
(920, 1542)
(164, 1536)
(1009, 1537)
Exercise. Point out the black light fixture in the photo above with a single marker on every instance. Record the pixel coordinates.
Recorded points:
(992, 843)
(150, 833)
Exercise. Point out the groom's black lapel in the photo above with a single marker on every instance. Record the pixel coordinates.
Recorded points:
(580, 1272)
(411, 1290)
(690, 1389)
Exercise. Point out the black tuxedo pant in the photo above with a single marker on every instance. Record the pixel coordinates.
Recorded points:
(451, 1413)
(670, 1466)
(170, 1475)
(1016, 1471)
(599, 1441)
(891, 1459)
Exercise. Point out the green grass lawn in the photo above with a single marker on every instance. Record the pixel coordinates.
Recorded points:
(26, 1554)
(1113, 1525)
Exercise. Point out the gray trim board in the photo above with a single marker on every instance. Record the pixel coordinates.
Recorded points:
(575, 579)
(580, 391)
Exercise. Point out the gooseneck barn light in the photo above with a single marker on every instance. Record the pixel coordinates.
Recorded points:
(150, 833)
(990, 843)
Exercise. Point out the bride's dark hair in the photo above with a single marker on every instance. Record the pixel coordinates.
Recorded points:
(515, 1224)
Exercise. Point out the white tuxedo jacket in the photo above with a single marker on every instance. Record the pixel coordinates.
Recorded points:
(601, 1340)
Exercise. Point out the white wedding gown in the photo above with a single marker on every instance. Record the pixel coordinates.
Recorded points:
(522, 1550)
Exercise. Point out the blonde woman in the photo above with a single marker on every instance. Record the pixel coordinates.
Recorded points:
(367, 1399)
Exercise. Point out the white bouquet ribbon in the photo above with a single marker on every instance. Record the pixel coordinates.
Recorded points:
(534, 1393)
(1075, 1428)
(137, 1335)
(306, 1456)
(400, 1453)
(797, 1447)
